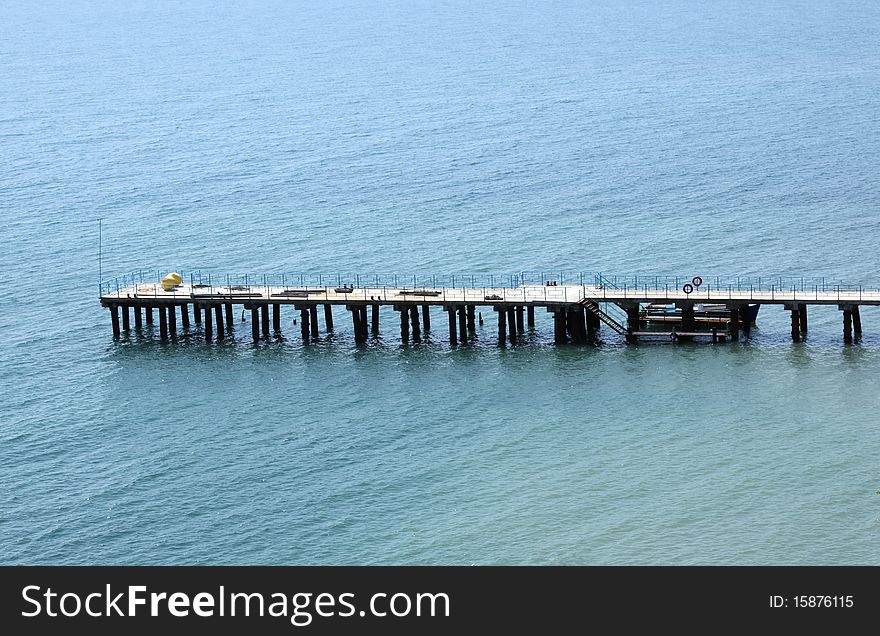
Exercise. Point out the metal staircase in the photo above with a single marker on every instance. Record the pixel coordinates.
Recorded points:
(592, 303)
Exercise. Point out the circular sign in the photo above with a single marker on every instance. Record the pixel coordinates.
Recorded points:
(688, 288)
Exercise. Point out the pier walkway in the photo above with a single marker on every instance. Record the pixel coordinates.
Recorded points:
(715, 308)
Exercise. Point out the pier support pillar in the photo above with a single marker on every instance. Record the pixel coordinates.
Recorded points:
(426, 316)
(138, 318)
(264, 319)
(313, 320)
(276, 317)
(847, 325)
(163, 323)
(857, 321)
(197, 314)
(450, 311)
(255, 323)
(126, 326)
(230, 317)
(462, 324)
(471, 318)
(511, 323)
(209, 324)
(184, 316)
(502, 324)
(218, 314)
(404, 323)
(304, 323)
(688, 319)
(531, 316)
(414, 318)
(632, 318)
(375, 318)
(802, 314)
(362, 318)
(795, 325)
(733, 324)
(558, 325)
(114, 318)
(148, 314)
(328, 317)
(520, 322)
(172, 321)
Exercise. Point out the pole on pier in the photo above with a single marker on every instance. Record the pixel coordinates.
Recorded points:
(502, 324)
(462, 324)
(138, 318)
(857, 321)
(511, 323)
(184, 315)
(802, 313)
(414, 318)
(230, 317)
(218, 314)
(847, 325)
(208, 323)
(255, 323)
(404, 323)
(795, 324)
(264, 319)
(304, 323)
(172, 321)
(375, 317)
(531, 316)
(114, 317)
(471, 318)
(520, 323)
(450, 311)
(148, 314)
(163, 323)
(313, 320)
(426, 316)
(328, 317)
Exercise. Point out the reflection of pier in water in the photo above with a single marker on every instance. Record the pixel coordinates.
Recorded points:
(717, 308)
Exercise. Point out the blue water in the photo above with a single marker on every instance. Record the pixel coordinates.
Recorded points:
(680, 137)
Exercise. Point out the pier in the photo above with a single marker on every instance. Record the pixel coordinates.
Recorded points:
(712, 309)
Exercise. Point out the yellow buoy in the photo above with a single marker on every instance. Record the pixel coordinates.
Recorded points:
(176, 277)
(171, 281)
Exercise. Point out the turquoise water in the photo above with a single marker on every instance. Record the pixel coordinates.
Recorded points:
(689, 138)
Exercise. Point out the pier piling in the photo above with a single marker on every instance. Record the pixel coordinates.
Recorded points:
(795, 325)
(184, 316)
(313, 321)
(126, 326)
(802, 314)
(148, 314)
(511, 323)
(218, 315)
(531, 316)
(426, 316)
(502, 324)
(520, 322)
(450, 311)
(197, 314)
(138, 318)
(857, 321)
(414, 318)
(328, 317)
(375, 318)
(471, 319)
(255, 323)
(163, 323)
(733, 324)
(230, 316)
(847, 325)
(404, 323)
(304, 323)
(462, 324)
(276, 318)
(209, 330)
(172, 321)
(264, 319)
(114, 317)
